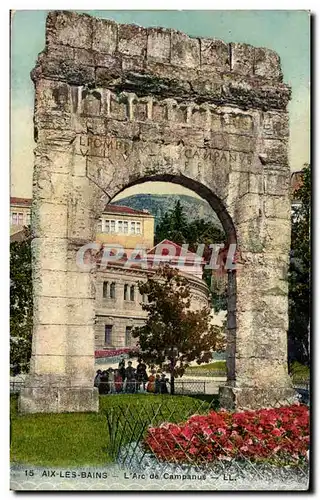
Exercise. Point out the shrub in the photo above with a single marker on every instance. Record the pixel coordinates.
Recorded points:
(280, 434)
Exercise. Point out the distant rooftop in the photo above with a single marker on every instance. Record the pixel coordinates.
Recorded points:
(119, 209)
(21, 201)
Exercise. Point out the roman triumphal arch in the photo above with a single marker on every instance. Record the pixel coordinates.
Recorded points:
(117, 105)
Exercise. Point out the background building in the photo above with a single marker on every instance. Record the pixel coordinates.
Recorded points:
(118, 300)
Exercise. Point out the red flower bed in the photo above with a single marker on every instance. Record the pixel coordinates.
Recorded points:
(279, 433)
(108, 353)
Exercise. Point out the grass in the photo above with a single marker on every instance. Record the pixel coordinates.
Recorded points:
(78, 439)
(299, 372)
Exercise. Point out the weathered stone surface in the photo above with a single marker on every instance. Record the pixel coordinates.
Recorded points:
(132, 40)
(117, 105)
(242, 58)
(105, 34)
(68, 28)
(214, 54)
(58, 400)
(159, 43)
(249, 397)
(267, 64)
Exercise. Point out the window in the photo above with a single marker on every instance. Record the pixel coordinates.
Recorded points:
(125, 227)
(132, 227)
(128, 338)
(105, 289)
(14, 218)
(125, 292)
(132, 292)
(138, 227)
(99, 226)
(120, 226)
(20, 219)
(113, 226)
(112, 291)
(28, 219)
(106, 228)
(108, 335)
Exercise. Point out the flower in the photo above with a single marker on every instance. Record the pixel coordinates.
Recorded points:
(261, 434)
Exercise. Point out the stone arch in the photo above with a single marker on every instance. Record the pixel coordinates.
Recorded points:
(209, 115)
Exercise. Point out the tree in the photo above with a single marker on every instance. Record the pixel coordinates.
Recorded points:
(21, 302)
(174, 334)
(299, 271)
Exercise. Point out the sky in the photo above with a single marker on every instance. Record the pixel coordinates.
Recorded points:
(287, 32)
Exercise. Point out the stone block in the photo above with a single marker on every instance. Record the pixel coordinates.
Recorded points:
(68, 71)
(250, 235)
(49, 219)
(80, 340)
(80, 285)
(278, 207)
(277, 183)
(262, 372)
(49, 283)
(278, 235)
(275, 152)
(248, 398)
(51, 187)
(84, 57)
(50, 310)
(275, 124)
(132, 64)
(50, 253)
(185, 51)
(242, 58)
(271, 343)
(50, 340)
(214, 54)
(81, 311)
(132, 40)
(252, 321)
(69, 28)
(159, 111)
(267, 64)
(246, 208)
(104, 36)
(158, 44)
(216, 122)
(236, 123)
(80, 368)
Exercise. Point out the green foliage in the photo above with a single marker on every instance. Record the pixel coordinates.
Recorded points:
(80, 439)
(174, 334)
(175, 226)
(299, 272)
(21, 302)
(217, 366)
(299, 371)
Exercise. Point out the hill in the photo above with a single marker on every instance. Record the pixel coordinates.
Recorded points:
(157, 205)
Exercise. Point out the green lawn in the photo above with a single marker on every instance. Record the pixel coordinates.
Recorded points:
(216, 366)
(78, 439)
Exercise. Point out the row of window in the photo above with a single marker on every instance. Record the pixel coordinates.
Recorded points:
(119, 226)
(108, 336)
(109, 291)
(20, 219)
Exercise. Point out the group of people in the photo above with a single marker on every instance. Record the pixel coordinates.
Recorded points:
(130, 380)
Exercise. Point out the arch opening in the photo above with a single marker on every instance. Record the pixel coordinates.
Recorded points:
(217, 207)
